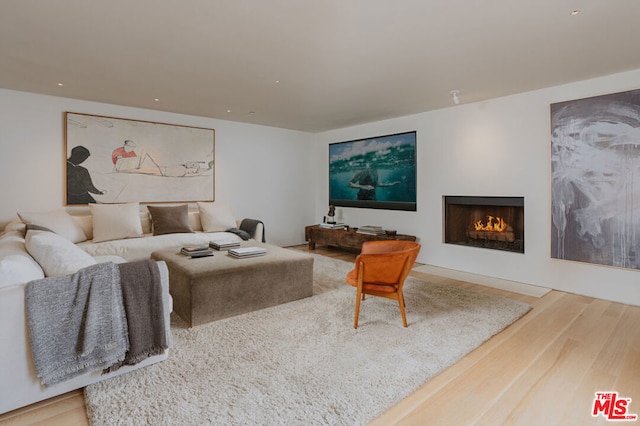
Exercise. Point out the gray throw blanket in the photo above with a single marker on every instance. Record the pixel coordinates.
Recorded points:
(250, 225)
(142, 295)
(76, 322)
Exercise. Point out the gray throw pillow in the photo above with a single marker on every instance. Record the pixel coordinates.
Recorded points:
(170, 220)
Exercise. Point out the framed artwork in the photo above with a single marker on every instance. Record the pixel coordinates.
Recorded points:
(117, 160)
(595, 166)
(378, 173)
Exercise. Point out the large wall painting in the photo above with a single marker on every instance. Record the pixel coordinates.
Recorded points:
(595, 166)
(116, 160)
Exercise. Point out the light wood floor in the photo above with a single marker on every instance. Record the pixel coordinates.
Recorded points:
(542, 370)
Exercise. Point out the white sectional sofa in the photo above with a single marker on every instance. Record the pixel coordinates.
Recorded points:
(19, 384)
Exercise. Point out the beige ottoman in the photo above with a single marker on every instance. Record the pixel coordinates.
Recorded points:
(211, 288)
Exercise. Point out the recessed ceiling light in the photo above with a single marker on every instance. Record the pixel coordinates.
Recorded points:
(60, 84)
(157, 100)
(228, 110)
(277, 81)
(574, 12)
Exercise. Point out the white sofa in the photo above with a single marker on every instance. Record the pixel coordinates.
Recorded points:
(19, 385)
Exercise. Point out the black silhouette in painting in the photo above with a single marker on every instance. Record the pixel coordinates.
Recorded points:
(366, 180)
(79, 183)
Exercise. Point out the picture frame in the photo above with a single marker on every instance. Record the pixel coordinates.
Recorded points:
(119, 160)
(595, 184)
(377, 173)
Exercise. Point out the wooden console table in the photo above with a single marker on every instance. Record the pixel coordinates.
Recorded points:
(348, 240)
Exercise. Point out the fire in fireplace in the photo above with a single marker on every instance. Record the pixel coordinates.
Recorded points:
(488, 222)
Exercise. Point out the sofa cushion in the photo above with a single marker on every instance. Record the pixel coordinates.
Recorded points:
(133, 249)
(56, 255)
(59, 221)
(194, 220)
(170, 220)
(28, 228)
(215, 217)
(85, 222)
(16, 265)
(116, 221)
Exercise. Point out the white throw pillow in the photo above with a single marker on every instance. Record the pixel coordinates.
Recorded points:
(16, 266)
(116, 221)
(85, 222)
(215, 217)
(59, 221)
(56, 255)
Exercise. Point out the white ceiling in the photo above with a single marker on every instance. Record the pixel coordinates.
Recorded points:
(338, 62)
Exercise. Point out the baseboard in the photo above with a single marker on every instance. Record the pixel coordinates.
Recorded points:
(514, 286)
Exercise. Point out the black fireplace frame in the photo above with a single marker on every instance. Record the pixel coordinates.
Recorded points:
(449, 202)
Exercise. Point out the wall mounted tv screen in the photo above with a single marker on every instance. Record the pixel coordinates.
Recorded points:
(377, 173)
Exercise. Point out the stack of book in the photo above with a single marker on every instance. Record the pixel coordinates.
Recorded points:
(247, 252)
(370, 230)
(198, 251)
(224, 244)
(336, 225)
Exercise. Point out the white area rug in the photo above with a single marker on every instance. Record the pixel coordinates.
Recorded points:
(302, 363)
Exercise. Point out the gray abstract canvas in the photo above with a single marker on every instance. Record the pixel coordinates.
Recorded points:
(595, 166)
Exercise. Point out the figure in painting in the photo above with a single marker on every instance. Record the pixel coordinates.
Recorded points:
(127, 150)
(127, 160)
(125, 157)
(366, 180)
(79, 183)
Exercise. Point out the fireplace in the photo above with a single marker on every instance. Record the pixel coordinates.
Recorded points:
(488, 222)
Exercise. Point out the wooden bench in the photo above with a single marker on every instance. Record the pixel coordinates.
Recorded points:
(345, 239)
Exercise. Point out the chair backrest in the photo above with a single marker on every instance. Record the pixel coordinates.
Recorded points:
(387, 262)
(387, 246)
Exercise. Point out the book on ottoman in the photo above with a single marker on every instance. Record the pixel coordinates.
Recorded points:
(224, 244)
(247, 252)
(200, 251)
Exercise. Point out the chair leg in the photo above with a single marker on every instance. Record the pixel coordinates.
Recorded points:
(359, 294)
(402, 305)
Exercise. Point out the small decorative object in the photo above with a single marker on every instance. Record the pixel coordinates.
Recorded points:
(391, 232)
(331, 214)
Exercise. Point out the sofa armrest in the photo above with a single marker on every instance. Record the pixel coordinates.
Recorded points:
(258, 235)
(253, 227)
(19, 384)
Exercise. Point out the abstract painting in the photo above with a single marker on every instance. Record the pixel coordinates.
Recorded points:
(117, 160)
(595, 166)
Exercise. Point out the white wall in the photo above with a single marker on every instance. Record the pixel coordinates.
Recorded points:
(261, 172)
(499, 147)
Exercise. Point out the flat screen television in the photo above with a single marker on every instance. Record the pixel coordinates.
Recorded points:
(376, 173)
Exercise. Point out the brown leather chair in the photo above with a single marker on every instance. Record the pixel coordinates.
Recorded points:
(380, 270)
